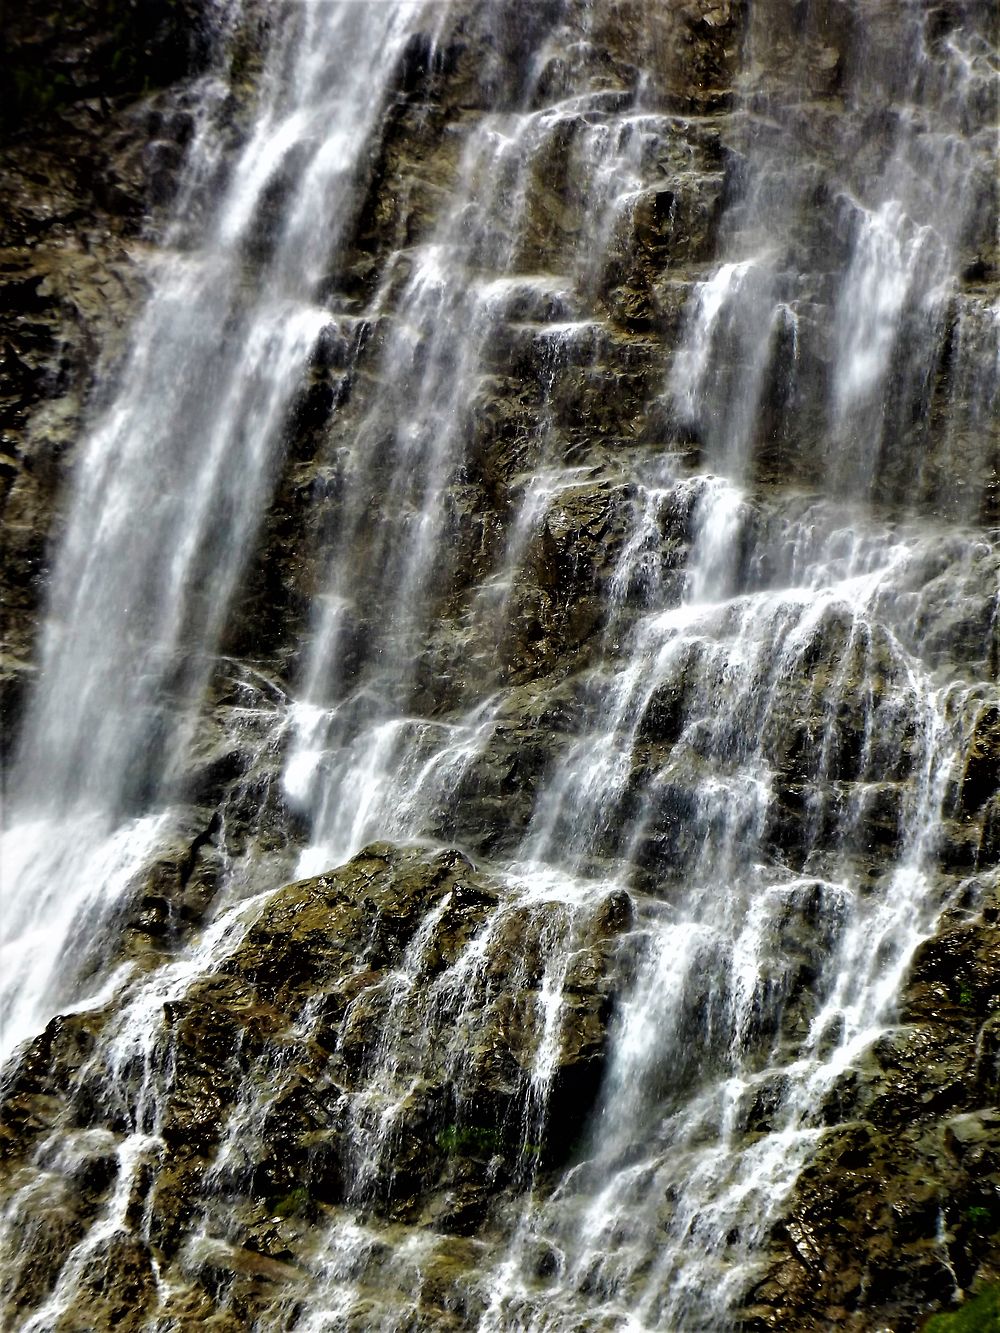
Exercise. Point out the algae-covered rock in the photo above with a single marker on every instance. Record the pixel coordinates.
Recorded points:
(980, 1314)
(371, 1042)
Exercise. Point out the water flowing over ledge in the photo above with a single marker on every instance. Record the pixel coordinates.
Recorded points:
(564, 432)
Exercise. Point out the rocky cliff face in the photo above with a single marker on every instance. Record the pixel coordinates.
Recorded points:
(403, 1093)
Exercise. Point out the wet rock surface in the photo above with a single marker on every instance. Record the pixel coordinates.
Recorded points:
(342, 1056)
(901, 1200)
(361, 1057)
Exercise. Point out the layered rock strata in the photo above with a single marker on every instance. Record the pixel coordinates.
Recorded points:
(355, 1083)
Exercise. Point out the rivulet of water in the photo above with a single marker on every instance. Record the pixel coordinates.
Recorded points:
(758, 730)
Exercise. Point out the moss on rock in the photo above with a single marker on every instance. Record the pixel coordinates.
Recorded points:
(981, 1314)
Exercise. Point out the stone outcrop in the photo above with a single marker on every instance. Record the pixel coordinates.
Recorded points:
(341, 1057)
(899, 1206)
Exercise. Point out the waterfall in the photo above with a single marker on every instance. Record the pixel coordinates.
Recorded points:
(563, 433)
(172, 483)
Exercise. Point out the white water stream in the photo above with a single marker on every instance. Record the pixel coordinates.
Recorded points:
(171, 487)
(771, 723)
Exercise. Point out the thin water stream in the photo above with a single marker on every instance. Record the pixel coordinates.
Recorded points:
(789, 613)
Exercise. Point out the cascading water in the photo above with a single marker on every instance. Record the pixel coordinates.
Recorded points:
(650, 505)
(172, 483)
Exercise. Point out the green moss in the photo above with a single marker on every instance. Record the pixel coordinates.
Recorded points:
(292, 1204)
(479, 1141)
(979, 1218)
(980, 1315)
(33, 92)
(469, 1140)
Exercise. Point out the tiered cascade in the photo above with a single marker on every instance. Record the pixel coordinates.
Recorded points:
(560, 433)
